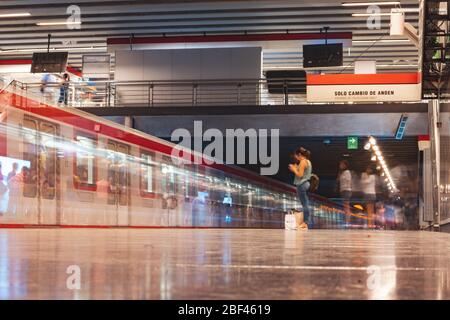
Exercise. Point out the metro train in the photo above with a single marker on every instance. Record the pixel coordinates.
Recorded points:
(69, 168)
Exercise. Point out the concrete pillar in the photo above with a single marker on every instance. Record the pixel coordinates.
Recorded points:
(434, 128)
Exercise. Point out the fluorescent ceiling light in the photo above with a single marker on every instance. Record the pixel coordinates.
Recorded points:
(52, 49)
(60, 23)
(14, 15)
(397, 65)
(382, 40)
(371, 14)
(366, 4)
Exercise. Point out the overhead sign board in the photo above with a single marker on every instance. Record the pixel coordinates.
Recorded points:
(363, 88)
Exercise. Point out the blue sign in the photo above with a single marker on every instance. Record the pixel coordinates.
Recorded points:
(401, 128)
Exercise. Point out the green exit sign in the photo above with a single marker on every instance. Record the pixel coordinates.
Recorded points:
(352, 143)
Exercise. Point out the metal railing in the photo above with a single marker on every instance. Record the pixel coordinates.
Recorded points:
(186, 93)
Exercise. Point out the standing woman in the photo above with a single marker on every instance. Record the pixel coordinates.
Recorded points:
(368, 182)
(302, 171)
(345, 186)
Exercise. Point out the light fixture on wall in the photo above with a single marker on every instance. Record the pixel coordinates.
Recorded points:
(377, 155)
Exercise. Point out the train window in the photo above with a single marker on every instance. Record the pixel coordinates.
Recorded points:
(147, 179)
(111, 173)
(168, 179)
(187, 183)
(123, 174)
(190, 180)
(85, 168)
(30, 155)
(47, 161)
(118, 174)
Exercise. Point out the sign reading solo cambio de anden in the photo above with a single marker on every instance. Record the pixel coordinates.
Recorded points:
(363, 88)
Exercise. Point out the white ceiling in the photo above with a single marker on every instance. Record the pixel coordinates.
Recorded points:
(116, 18)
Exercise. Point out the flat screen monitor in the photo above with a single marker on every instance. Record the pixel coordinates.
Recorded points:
(294, 79)
(52, 62)
(322, 55)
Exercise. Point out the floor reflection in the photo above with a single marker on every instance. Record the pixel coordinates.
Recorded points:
(224, 264)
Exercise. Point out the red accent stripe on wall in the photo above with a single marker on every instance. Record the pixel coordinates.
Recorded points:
(14, 62)
(11, 62)
(230, 38)
(355, 79)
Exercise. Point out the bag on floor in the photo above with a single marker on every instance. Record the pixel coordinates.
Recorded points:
(299, 218)
(290, 221)
(314, 183)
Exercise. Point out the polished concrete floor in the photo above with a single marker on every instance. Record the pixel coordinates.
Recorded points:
(223, 264)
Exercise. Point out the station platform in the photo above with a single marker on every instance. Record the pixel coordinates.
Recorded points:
(224, 264)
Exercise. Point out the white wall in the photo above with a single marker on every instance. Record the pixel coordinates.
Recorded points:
(183, 64)
(186, 64)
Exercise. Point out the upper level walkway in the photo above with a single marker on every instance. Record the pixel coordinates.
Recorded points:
(233, 96)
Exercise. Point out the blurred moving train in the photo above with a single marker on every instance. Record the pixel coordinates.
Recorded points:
(75, 169)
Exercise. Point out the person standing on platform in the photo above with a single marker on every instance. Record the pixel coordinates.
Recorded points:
(345, 187)
(64, 90)
(13, 172)
(16, 186)
(368, 182)
(302, 171)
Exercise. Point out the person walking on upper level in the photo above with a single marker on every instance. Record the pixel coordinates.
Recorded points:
(302, 171)
(46, 86)
(64, 89)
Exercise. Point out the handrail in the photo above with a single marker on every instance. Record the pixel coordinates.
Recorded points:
(7, 85)
(190, 81)
(186, 92)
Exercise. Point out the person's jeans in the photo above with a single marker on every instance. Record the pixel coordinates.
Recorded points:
(302, 192)
(63, 95)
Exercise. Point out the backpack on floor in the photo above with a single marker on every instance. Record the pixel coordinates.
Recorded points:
(314, 183)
